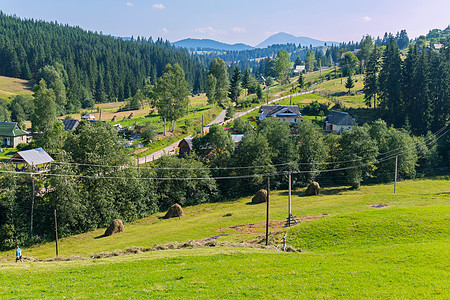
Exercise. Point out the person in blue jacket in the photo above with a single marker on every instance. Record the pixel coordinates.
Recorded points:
(18, 254)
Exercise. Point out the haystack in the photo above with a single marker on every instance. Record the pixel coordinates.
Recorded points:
(131, 116)
(175, 211)
(114, 118)
(115, 227)
(313, 189)
(260, 197)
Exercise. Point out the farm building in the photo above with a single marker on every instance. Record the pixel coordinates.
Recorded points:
(88, 116)
(337, 121)
(70, 124)
(37, 158)
(287, 113)
(12, 135)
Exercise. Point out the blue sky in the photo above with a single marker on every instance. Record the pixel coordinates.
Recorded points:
(243, 21)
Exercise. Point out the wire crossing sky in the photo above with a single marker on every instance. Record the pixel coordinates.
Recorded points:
(234, 21)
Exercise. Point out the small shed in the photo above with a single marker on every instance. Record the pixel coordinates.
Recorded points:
(185, 146)
(37, 158)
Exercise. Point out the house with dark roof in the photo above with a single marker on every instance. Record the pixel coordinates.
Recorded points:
(70, 124)
(185, 146)
(37, 158)
(337, 121)
(287, 113)
(11, 135)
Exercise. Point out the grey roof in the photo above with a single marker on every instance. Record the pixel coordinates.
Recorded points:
(70, 124)
(237, 137)
(32, 157)
(284, 110)
(188, 140)
(339, 118)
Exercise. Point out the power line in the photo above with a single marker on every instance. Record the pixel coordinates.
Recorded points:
(425, 140)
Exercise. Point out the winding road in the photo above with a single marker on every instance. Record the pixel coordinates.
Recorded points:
(220, 119)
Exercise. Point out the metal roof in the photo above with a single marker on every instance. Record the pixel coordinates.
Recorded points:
(275, 110)
(11, 129)
(70, 124)
(339, 118)
(32, 157)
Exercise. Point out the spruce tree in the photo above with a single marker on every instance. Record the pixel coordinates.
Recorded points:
(349, 84)
(234, 91)
(371, 80)
(246, 80)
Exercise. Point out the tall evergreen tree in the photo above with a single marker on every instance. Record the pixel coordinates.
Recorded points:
(349, 84)
(371, 80)
(234, 90)
(246, 80)
(390, 84)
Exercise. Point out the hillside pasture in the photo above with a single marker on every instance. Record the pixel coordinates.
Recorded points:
(352, 249)
(11, 87)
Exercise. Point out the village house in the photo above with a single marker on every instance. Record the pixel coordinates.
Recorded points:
(11, 135)
(337, 122)
(287, 113)
(185, 146)
(299, 69)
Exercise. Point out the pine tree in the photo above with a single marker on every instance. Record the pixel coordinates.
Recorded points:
(301, 80)
(349, 84)
(390, 84)
(246, 80)
(371, 80)
(234, 91)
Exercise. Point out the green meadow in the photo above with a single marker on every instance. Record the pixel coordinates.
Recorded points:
(349, 248)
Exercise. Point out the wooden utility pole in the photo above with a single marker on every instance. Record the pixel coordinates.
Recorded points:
(395, 179)
(290, 99)
(267, 212)
(202, 125)
(32, 206)
(56, 234)
(289, 216)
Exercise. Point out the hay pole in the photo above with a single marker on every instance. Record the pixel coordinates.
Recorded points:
(290, 214)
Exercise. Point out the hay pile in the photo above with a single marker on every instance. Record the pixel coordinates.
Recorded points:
(115, 227)
(260, 197)
(313, 189)
(131, 116)
(114, 118)
(175, 211)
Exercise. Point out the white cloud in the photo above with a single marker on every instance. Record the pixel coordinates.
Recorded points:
(238, 29)
(129, 4)
(205, 30)
(367, 19)
(163, 30)
(159, 6)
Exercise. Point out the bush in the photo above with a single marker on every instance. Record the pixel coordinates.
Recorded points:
(230, 111)
(315, 109)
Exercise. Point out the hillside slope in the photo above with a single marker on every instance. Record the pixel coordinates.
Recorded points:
(355, 248)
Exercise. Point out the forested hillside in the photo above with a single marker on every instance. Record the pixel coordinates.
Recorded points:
(88, 64)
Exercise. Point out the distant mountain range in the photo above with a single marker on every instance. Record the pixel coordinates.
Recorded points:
(278, 38)
(286, 38)
(210, 44)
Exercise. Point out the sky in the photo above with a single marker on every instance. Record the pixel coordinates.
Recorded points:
(239, 21)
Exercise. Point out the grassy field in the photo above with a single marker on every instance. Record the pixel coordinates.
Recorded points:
(11, 87)
(349, 249)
